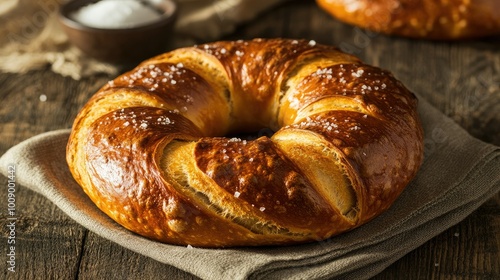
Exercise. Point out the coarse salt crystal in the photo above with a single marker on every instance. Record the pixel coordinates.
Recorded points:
(237, 194)
(164, 121)
(358, 73)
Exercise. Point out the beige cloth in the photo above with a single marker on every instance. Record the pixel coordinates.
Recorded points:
(459, 174)
(31, 37)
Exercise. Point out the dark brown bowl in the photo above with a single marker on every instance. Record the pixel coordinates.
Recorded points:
(122, 46)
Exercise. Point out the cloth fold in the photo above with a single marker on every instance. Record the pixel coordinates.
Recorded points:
(458, 175)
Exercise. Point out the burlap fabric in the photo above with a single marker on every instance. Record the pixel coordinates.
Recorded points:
(32, 38)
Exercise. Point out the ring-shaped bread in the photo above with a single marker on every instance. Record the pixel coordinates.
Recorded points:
(149, 148)
(421, 19)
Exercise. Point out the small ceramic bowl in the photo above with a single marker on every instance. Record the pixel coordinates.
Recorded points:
(120, 45)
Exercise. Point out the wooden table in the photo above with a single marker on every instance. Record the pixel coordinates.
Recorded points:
(462, 79)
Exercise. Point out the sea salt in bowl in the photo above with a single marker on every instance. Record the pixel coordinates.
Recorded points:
(119, 31)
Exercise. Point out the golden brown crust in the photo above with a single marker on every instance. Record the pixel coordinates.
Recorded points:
(149, 151)
(429, 19)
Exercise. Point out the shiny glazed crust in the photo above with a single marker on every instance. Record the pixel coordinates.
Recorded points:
(427, 19)
(149, 148)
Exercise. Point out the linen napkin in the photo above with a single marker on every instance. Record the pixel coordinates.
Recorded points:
(458, 175)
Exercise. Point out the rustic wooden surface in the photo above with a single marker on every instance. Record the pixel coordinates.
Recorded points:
(462, 79)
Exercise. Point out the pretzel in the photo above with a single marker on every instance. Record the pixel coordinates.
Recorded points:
(157, 149)
(421, 19)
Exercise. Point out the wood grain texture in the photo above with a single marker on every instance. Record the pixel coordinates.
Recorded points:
(462, 79)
